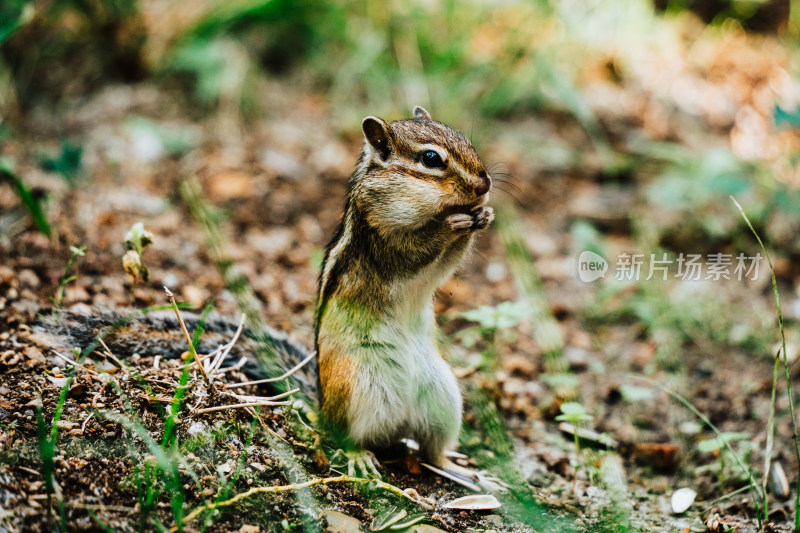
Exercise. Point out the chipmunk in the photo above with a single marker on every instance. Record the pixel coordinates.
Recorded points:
(414, 204)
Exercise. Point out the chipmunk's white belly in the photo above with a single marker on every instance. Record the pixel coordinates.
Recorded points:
(404, 388)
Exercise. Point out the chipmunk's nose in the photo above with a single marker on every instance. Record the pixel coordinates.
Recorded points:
(484, 185)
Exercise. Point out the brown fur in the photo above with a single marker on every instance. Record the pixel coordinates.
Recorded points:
(335, 372)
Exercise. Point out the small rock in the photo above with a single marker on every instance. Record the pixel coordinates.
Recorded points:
(28, 278)
(34, 355)
(496, 271)
(77, 391)
(195, 295)
(74, 294)
(66, 424)
(229, 185)
(198, 427)
(577, 358)
(518, 363)
(59, 382)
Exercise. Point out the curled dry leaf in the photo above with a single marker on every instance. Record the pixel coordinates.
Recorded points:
(475, 502)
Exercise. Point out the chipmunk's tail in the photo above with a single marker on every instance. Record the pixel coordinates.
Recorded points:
(266, 352)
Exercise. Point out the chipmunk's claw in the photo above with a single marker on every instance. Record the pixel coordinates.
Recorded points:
(360, 463)
(482, 217)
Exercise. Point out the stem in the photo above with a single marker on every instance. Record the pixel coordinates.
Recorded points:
(295, 486)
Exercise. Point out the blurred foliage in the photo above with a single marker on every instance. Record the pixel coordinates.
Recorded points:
(468, 61)
(67, 162)
(30, 201)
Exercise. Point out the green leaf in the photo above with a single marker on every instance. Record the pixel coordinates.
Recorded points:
(68, 163)
(573, 412)
(14, 14)
(29, 201)
(633, 394)
(790, 118)
(715, 444)
(504, 315)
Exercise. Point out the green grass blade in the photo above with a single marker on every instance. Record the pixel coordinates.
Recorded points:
(25, 195)
(531, 290)
(789, 391)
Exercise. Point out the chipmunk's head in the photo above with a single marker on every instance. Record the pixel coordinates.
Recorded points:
(416, 170)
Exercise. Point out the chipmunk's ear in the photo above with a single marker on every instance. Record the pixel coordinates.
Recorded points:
(421, 112)
(376, 131)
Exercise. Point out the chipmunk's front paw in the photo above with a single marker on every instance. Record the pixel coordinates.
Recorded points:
(459, 222)
(476, 220)
(482, 217)
(361, 463)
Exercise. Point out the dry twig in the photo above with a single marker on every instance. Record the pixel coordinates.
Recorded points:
(188, 337)
(285, 375)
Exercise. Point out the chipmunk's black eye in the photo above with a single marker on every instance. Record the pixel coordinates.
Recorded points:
(432, 160)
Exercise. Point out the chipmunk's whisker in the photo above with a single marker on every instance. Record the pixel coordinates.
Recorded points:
(514, 186)
(511, 195)
(493, 168)
(508, 177)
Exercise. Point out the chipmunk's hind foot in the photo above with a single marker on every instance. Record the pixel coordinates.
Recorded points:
(357, 463)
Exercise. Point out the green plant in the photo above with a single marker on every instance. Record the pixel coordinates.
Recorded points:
(29, 201)
(226, 485)
(65, 276)
(722, 446)
(136, 240)
(759, 497)
(531, 289)
(47, 438)
(575, 413)
(155, 474)
(490, 321)
(47, 450)
(158, 472)
(67, 163)
(14, 14)
(788, 379)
